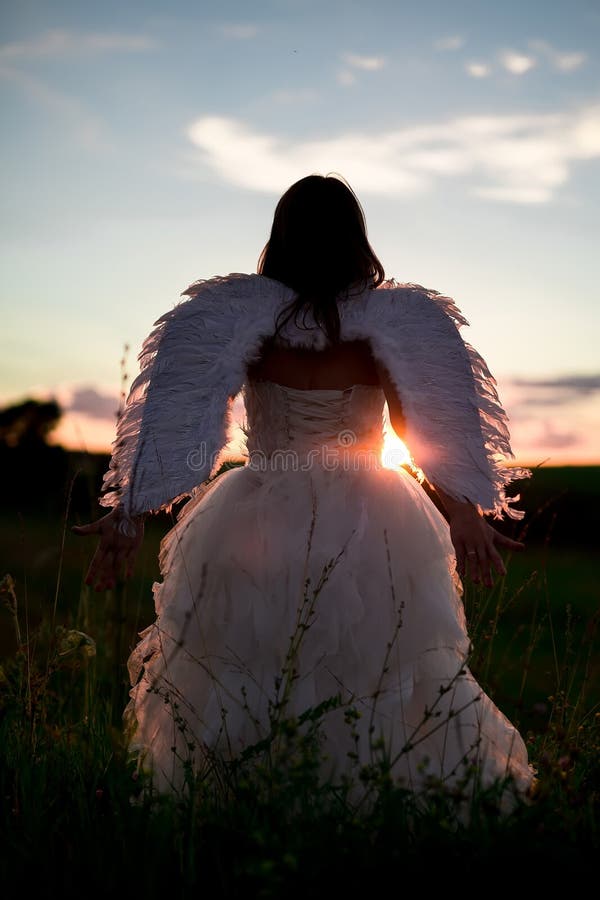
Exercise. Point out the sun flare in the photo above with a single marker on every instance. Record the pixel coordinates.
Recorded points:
(395, 453)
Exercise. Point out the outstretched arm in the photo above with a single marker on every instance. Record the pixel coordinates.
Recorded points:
(455, 424)
(475, 541)
(120, 540)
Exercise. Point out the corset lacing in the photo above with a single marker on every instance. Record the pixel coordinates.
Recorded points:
(290, 428)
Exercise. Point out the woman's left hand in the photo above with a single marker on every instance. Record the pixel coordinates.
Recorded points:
(476, 543)
(119, 541)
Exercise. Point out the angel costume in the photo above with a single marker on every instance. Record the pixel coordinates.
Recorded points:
(312, 573)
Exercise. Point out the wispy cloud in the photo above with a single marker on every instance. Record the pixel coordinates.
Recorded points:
(290, 97)
(558, 390)
(565, 62)
(355, 62)
(60, 42)
(478, 69)
(450, 42)
(555, 437)
(346, 78)
(517, 63)
(238, 31)
(524, 158)
(555, 416)
(366, 63)
(520, 63)
(84, 126)
(93, 403)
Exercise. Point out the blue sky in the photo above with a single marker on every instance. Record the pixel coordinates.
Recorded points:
(146, 144)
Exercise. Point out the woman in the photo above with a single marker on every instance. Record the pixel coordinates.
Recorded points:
(313, 573)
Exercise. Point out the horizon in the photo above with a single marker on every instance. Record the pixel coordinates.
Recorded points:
(235, 447)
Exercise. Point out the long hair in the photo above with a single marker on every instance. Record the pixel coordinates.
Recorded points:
(318, 247)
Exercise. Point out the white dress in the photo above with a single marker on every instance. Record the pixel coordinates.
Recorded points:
(313, 538)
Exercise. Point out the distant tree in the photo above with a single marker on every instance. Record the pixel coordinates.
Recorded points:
(33, 473)
(26, 426)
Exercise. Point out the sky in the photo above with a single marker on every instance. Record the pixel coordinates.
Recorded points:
(145, 146)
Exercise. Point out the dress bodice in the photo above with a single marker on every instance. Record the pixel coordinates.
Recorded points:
(326, 424)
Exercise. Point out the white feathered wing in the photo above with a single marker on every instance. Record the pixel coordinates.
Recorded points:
(178, 414)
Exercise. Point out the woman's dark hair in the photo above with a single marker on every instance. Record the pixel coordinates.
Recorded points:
(318, 247)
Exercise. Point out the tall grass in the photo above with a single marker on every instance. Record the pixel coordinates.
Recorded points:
(78, 815)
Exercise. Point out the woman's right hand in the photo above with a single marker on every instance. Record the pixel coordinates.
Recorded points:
(476, 544)
(116, 549)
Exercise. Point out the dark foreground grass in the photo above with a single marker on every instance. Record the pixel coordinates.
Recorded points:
(76, 820)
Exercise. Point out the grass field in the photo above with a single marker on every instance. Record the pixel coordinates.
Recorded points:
(67, 816)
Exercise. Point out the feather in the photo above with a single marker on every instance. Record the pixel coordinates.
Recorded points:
(456, 426)
(178, 412)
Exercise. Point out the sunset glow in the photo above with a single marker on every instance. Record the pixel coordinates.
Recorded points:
(86, 433)
(395, 453)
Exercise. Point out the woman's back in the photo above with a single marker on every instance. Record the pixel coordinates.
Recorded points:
(335, 368)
